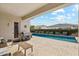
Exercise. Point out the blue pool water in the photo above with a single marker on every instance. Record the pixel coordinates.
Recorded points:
(63, 38)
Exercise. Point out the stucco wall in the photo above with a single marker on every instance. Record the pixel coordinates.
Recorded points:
(25, 26)
(7, 25)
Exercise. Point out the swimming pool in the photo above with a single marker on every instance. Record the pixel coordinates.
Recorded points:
(57, 37)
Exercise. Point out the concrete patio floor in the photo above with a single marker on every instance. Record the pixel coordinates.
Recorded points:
(48, 47)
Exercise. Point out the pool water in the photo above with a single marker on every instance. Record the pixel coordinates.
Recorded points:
(57, 37)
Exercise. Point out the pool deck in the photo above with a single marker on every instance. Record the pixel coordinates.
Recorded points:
(49, 47)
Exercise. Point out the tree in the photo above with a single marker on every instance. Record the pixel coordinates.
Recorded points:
(32, 27)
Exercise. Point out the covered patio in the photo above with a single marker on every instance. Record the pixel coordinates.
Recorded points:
(14, 19)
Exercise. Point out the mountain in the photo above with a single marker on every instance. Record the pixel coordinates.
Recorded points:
(63, 25)
(57, 26)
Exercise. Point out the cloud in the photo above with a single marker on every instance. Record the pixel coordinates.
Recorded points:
(52, 18)
(42, 16)
(60, 10)
(68, 15)
(63, 19)
(53, 13)
(73, 14)
(60, 18)
(46, 17)
(76, 6)
(73, 9)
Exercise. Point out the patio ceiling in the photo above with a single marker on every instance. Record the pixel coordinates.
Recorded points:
(19, 9)
(27, 10)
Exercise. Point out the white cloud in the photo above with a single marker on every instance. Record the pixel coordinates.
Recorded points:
(52, 18)
(73, 9)
(60, 18)
(68, 15)
(73, 14)
(63, 19)
(76, 6)
(42, 16)
(46, 17)
(60, 10)
(53, 13)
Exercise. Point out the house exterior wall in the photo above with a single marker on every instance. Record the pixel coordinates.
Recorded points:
(7, 25)
(25, 26)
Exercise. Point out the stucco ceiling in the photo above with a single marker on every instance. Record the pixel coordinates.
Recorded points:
(19, 9)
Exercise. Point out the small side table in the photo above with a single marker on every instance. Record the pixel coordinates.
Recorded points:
(25, 46)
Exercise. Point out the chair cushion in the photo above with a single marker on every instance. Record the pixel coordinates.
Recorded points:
(16, 40)
(4, 52)
(3, 45)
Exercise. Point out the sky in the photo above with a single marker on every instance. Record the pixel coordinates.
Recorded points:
(65, 15)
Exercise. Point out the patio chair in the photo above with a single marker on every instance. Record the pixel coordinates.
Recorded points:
(3, 43)
(3, 48)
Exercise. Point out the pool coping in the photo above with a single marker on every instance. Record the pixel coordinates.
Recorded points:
(77, 38)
